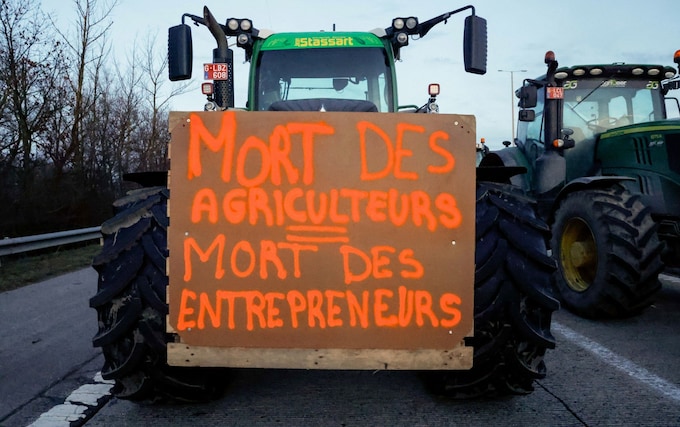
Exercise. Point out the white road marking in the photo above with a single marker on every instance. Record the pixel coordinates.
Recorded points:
(78, 405)
(621, 363)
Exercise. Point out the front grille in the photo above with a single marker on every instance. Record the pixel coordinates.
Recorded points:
(646, 184)
(642, 151)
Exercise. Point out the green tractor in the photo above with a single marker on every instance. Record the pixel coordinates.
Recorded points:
(323, 226)
(603, 162)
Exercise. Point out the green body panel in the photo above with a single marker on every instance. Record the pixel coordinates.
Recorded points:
(649, 153)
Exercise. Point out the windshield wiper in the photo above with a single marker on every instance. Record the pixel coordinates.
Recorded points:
(578, 114)
(590, 93)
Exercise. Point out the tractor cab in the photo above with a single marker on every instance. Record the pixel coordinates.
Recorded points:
(314, 71)
(323, 71)
(595, 99)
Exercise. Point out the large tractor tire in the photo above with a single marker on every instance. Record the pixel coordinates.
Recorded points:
(513, 307)
(608, 253)
(131, 306)
(513, 302)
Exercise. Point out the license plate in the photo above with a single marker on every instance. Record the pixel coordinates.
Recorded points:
(216, 71)
(555, 92)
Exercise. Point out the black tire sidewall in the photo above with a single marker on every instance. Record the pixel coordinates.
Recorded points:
(580, 206)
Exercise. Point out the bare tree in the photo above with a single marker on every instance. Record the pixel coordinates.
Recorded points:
(155, 136)
(125, 106)
(71, 125)
(88, 49)
(29, 66)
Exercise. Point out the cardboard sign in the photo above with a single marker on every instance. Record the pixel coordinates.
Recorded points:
(319, 230)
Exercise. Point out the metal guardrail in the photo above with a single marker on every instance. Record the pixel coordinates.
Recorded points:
(41, 241)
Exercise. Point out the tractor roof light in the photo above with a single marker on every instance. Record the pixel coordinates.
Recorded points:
(433, 89)
(246, 24)
(561, 75)
(579, 72)
(669, 74)
(549, 56)
(207, 88)
(653, 72)
(676, 57)
(243, 39)
(637, 71)
(411, 23)
(232, 24)
(237, 25)
(402, 38)
(596, 71)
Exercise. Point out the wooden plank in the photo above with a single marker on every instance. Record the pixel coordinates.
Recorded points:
(458, 358)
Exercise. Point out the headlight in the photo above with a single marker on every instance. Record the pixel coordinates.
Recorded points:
(242, 39)
(232, 24)
(411, 23)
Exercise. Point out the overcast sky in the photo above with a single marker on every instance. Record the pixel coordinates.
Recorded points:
(519, 34)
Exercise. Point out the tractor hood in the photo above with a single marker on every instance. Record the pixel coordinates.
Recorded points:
(649, 153)
(649, 128)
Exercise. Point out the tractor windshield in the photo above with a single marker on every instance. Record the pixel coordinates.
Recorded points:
(592, 106)
(359, 75)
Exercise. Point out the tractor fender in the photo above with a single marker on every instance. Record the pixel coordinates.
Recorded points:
(147, 179)
(513, 160)
(583, 183)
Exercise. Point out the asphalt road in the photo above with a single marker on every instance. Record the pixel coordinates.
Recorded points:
(46, 332)
(621, 373)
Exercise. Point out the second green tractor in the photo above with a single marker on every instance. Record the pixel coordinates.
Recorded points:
(603, 160)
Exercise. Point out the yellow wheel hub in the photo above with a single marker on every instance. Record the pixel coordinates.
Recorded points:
(578, 255)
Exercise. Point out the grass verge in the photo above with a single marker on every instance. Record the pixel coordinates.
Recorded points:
(19, 271)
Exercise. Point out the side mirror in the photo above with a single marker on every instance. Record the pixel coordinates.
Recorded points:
(180, 52)
(340, 84)
(474, 44)
(527, 115)
(528, 96)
